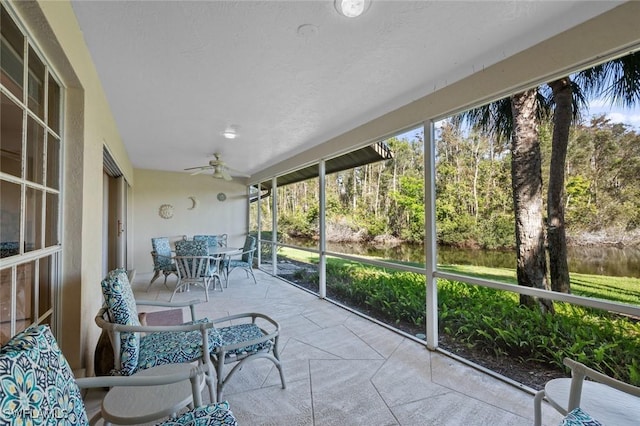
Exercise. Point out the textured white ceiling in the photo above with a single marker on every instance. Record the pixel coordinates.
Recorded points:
(289, 74)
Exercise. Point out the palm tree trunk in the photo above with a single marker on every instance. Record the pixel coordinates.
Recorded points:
(526, 177)
(556, 235)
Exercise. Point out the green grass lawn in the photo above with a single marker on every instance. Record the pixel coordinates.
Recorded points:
(616, 289)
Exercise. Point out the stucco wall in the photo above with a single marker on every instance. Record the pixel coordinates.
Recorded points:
(211, 216)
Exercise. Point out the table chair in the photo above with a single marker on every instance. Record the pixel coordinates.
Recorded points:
(246, 259)
(38, 386)
(162, 260)
(602, 399)
(196, 267)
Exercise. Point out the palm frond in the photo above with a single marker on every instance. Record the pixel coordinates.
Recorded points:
(617, 81)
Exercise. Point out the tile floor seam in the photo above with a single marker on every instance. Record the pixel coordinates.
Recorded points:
(346, 327)
(380, 394)
(373, 348)
(320, 349)
(465, 395)
(415, 400)
(313, 410)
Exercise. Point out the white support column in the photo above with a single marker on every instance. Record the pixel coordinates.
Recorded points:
(258, 222)
(274, 224)
(322, 264)
(430, 244)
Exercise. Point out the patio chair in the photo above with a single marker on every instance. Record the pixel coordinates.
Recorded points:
(246, 259)
(602, 399)
(196, 267)
(240, 339)
(38, 386)
(162, 260)
(186, 343)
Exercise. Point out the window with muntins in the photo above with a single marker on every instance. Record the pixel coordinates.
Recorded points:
(30, 205)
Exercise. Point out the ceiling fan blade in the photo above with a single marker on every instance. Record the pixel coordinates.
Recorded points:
(197, 172)
(219, 168)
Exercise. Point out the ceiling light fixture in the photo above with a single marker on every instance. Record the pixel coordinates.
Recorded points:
(351, 8)
(230, 133)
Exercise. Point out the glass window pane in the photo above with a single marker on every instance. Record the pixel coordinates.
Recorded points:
(5, 305)
(53, 162)
(11, 55)
(25, 298)
(9, 219)
(34, 167)
(36, 84)
(53, 102)
(11, 137)
(45, 282)
(33, 220)
(51, 236)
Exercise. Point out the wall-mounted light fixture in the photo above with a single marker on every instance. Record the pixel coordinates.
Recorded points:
(352, 8)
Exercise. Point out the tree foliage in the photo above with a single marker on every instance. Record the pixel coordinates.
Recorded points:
(474, 201)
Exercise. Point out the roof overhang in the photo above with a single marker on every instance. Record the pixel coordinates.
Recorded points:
(373, 153)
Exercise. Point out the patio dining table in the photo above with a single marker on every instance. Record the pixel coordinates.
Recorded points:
(223, 251)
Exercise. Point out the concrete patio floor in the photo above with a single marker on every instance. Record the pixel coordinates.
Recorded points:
(342, 369)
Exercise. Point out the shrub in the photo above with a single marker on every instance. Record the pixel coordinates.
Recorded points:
(492, 320)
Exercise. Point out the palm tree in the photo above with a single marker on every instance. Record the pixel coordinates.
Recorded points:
(526, 181)
(517, 118)
(563, 115)
(617, 81)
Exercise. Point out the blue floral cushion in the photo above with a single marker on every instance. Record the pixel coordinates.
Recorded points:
(37, 386)
(241, 333)
(192, 248)
(237, 263)
(121, 306)
(212, 240)
(174, 347)
(208, 415)
(163, 254)
(577, 417)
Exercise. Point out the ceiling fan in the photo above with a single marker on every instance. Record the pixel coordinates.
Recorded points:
(219, 167)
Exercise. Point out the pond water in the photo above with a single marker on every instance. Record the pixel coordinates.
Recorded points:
(612, 261)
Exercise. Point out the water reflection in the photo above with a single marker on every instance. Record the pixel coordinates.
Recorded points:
(612, 261)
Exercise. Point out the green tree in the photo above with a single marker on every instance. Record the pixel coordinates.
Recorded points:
(409, 196)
